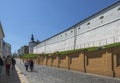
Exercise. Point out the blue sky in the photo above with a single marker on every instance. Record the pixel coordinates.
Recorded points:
(43, 18)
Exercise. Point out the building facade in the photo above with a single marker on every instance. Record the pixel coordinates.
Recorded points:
(100, 29)
(2, 35)
(28, 49)
(32, 44)
(5, 48)
(23, 50)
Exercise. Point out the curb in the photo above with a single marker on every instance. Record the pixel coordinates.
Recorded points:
(22, 77)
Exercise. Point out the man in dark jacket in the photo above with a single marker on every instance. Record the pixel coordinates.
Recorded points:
(13, 63)
(1, 64)
(31, 64)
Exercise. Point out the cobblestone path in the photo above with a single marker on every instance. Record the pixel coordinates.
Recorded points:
(44, 74)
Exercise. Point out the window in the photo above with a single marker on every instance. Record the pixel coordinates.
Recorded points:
(71, 31)
(101, 17)
(118, 9)
(65, 34)
(78, 28)
(88, 23)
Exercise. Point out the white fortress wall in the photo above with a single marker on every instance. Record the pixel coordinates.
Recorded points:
(101, 36)
(100, 29)
(63, 41)
(39, 48)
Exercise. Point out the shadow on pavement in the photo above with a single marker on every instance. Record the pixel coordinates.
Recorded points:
(13, 78)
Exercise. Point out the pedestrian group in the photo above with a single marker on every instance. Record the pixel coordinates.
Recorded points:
(9, 63)
(29, 64)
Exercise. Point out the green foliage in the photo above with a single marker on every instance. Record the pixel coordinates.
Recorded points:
(112, 45)
(87, 49)
(92, 49)
(68, 52)
(30, 56)
(78, 50)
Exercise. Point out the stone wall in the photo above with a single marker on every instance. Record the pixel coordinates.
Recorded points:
(77, 62)
(102, 62)
(99, 62)
(55, 61)
(64, 62)
(49, 61)
(116, 61)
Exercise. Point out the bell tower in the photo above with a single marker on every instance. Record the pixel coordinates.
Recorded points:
(32, 43)
(32, 38)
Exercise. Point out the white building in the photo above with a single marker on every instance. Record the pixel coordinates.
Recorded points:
(99, 29)
(6, 49)
(2, 35)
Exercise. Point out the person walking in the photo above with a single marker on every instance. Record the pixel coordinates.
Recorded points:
(8, 63)
(26, 64)
(13, 63)
(31, 64)
(1, 64)
(4, 60)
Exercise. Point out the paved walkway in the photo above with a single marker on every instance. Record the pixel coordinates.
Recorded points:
(13, 78)
(43, 74)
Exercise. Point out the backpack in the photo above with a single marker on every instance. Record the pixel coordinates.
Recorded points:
(13, 61)
(8, 61)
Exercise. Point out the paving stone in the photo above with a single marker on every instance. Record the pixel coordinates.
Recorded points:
(44, 74)
(13, 78)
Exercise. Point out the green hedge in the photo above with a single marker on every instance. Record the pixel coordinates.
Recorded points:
(112, 45)
(30, 56)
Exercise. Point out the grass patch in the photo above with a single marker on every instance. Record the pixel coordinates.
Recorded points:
(92, 49)
(77, 50)
(67, 52)
(112, 45)
(30, 56)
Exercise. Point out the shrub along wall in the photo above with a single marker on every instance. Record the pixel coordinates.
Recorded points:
(102, 62)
